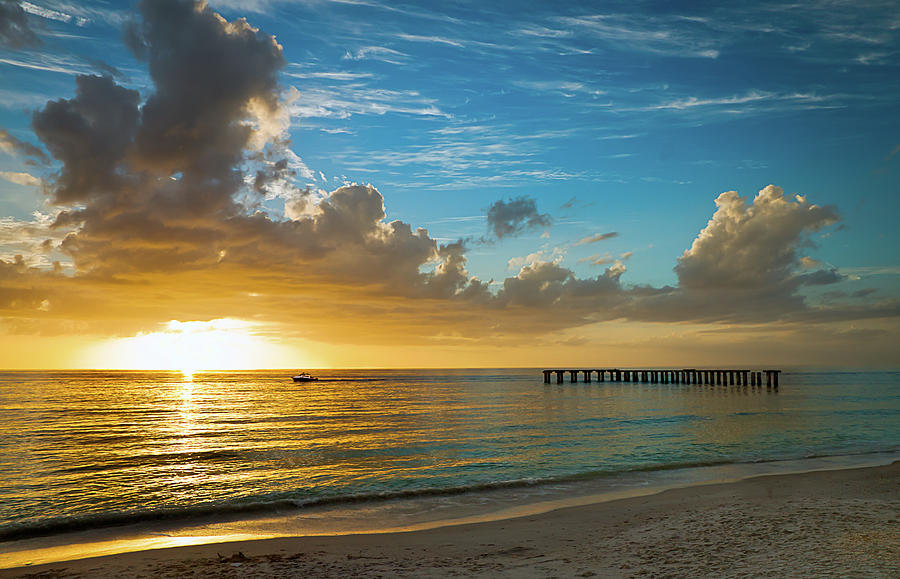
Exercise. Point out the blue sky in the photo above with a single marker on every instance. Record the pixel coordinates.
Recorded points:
(612, 117)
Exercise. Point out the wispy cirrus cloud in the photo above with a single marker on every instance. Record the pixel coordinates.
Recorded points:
(754, 100)
(51, 14)
(431, 39)
(672, 36)
(21, 99)
(381, 53)
(356, 99)
(79, 14)
(48, 63)
(566, 88)
(338, 75)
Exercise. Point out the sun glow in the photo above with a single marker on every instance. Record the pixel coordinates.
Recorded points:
(189, 347)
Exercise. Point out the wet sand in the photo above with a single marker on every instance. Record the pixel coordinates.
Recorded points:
(817, 524)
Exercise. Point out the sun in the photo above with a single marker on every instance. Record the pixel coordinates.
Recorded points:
(193, 346)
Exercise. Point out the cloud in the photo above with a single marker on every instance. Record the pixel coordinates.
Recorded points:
(743, 266)
(596, 237)
(13, 146)
(893, 152)
(689, 38)
(506, 218)
(36, 239)
(807, 262)
(606, 259)
(344, 102)
(50, 14)
(25, 179)
(165, 208)
(432, 39)
(752, 247)
(91, 135)
(14, 29)
(555, 255)
(382, 53)
(546, 285)
(168, 186)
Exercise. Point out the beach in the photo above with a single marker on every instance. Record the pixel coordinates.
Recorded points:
(815, 524)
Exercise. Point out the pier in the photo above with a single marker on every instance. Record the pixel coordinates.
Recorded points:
(682, 376)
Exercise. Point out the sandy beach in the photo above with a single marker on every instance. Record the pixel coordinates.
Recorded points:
(817, 524)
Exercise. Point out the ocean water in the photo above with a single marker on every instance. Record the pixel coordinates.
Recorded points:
(88, 450)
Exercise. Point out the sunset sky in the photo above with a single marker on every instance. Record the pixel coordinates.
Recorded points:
(364, 183)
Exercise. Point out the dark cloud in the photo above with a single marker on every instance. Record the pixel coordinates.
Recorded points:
(209, 75)
(547, 284)
(515, 216)
(14, 146)
(14, 29)
(157, 182)
(91, 135)
(105, 68)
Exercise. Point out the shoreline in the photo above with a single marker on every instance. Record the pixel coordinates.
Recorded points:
(813, 523)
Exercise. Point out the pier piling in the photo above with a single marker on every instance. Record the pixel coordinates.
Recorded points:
(744, 378)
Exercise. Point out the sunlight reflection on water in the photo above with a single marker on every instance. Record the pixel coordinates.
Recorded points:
(106, 446)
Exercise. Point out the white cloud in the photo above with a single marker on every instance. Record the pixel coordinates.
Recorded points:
(643, 33)
(333, 75)
(555, 256)
(51, 14)
(49, 63)
(431, 39)
(35, 239)
(382, 53)
(360, 100)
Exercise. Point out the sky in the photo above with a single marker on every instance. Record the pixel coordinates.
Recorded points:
(358, 183)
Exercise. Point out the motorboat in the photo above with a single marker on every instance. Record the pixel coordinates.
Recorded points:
(305, 378)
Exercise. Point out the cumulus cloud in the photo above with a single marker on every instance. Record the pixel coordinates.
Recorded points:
(550, 287)
(91, 135)
(155, 188)
(507, 218)
(14, 29)
(744, 265)
(752, 247)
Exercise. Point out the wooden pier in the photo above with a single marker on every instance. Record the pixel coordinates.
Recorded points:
(682, 376)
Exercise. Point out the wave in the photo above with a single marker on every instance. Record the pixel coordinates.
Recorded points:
(179, 514)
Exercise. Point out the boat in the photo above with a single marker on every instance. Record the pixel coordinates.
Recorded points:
(305, 378)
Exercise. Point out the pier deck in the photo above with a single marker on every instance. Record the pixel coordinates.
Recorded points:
(681, 376)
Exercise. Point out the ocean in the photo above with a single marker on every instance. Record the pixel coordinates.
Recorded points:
(253, 453)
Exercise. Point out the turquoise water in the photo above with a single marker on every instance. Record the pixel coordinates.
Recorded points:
(89, 449)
